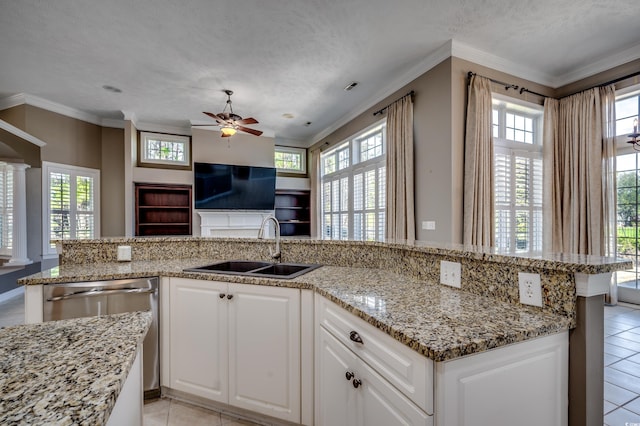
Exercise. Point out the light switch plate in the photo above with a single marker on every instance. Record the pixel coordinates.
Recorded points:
(450, 273)
(530, 289)
(124, 253)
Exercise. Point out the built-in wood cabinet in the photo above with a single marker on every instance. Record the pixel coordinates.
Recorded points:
(293, 213)
(237, 344)
(163, 209)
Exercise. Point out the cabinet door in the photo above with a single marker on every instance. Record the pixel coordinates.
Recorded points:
(198, 344)
(373, 402)
(380, 403)
(264, 350)
(335, 395)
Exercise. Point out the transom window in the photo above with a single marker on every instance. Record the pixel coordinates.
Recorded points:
(159, 148)
(353, 187)
(290, 160)
(627, 110)
(517, 138)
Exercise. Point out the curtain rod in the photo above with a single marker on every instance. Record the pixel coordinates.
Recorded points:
(507, 86)
(614, 81)
(381, 110)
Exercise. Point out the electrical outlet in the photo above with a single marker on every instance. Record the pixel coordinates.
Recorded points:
(530, 289)
(450, 273)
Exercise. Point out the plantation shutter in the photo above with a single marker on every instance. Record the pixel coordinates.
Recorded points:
(518, 199)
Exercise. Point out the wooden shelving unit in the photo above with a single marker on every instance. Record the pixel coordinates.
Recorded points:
(163, 209)
(292, 211)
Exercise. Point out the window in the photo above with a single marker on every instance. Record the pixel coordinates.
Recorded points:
(628, 189)
(353, 187)
(290, 160)
(71, 204)
(517, 138)
(627, 110)
(158, 148)
(6, 209)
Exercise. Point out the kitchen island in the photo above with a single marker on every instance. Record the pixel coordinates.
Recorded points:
(71, 371)
(395, 288)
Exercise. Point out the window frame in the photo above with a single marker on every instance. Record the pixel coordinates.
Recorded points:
(49, 252)
(531, 151)
(6, 208)
(291, 150)
(143, 145)
(349, 148)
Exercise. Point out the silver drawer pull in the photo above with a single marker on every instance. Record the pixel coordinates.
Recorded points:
(355, 337)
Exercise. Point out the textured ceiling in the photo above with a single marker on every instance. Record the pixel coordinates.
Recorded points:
(172, 59)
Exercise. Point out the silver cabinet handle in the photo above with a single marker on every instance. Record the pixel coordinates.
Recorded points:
(92, 293)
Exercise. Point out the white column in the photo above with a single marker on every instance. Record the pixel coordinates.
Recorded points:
(19, 241)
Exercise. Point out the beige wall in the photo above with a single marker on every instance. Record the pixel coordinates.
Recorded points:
(69, 141)
(112, 182)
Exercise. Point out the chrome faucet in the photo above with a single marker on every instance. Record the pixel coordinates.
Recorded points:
(274, 254)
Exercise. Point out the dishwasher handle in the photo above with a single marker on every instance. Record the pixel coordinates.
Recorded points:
(91, 293)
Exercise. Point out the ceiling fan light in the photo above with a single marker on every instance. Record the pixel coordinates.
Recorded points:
(227, 131)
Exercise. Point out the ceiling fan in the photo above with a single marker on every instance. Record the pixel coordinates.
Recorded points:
(229, 122)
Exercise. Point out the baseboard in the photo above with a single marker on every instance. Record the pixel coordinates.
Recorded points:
(11, 294)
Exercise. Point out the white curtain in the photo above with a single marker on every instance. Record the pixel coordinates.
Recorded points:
(314, 207)
(478, 166)
(580, 148)
(400, 221)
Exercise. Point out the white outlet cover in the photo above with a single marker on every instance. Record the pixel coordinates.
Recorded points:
(124, 253)
(450, 273)
(530, 289)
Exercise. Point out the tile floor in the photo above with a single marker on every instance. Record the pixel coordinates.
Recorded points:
(622, 365)
(621, 387)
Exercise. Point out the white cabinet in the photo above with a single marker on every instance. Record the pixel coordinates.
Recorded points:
(364, 377)
(521, 384)
(198, 331)
(237, 344)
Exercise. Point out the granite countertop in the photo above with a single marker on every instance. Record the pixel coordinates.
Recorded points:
(67, 372)
(439, 322)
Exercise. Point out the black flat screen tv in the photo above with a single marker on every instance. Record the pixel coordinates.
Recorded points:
(231, 187)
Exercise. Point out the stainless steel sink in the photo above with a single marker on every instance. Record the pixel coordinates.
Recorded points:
(256, 269)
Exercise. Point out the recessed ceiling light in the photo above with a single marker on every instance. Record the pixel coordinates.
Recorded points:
(350, 86)
(307, 124)
(287, 115)
(112, 89)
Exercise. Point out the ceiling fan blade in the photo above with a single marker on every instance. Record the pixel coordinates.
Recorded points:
(215, 117)
(249, 120)
(248, 130)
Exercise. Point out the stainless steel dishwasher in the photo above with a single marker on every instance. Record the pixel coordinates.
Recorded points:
(96, 298)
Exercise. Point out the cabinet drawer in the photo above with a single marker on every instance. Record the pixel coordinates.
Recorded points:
(406, 369)
(372, 402)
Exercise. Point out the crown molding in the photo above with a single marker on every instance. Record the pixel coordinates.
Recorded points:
(12, 101)
(162, 128)
(21, 134)
(603, 64)
(477, 56)
(112, 122)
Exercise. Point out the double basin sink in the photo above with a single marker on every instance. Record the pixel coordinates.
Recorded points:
(256, 269)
